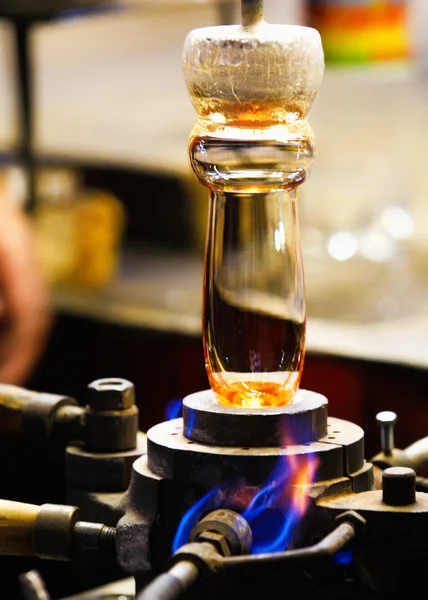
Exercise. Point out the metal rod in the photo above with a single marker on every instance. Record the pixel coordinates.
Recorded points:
(173, 583)
(328, 546)
(417, 454)
(386, 420)
(26, 98)
(33, 586)
(251, 12)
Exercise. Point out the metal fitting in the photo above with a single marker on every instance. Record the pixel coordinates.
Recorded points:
(229, 525)
(111, 431)
(94, 536)
(53, 531)
(58, 533)
(217, 540)
(111, 393)
(111, 416)
(355, 519)
(102, 471)
(220, 534)
(202, 554)
(399, 486)
(44, 412)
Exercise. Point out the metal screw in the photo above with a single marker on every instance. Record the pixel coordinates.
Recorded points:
(386, 419)
(94, 536)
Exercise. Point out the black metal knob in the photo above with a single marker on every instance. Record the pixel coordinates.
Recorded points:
(399, 486)
(386, 419)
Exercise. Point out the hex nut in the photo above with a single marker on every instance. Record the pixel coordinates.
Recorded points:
(217, 540)
(111, 393)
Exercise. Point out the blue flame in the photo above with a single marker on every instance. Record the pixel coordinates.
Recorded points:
(210, 501)
(173, 409)
(269, 513)
(189, 423)
(272, 512)
(345, 557)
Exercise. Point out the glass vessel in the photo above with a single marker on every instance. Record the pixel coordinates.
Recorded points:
(252, 86)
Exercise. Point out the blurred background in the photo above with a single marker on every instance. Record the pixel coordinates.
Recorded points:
(94, 122)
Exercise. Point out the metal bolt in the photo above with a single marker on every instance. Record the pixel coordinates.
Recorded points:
(386, 419)
(111, 393)
(94, 536)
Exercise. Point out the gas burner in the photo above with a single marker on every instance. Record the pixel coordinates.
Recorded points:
(209, 519)
(222, 458)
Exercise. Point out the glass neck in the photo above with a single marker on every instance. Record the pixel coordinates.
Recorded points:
(256, 160)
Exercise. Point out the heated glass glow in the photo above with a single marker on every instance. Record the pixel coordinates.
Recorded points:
(251, 147)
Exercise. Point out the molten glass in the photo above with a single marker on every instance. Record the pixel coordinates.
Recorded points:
(252, 86)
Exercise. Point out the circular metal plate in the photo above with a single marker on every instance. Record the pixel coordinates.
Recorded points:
(208, 422)
(173, 456)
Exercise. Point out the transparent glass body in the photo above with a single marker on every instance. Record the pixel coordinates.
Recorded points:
(254, 311)
(252, 86)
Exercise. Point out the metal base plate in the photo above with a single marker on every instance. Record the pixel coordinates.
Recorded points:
(208, 422)
(171, 455)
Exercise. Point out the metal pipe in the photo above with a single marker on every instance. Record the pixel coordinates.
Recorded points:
(328, 546)
(171, 584)
(218, 534)
(417, 454)
(201, 558)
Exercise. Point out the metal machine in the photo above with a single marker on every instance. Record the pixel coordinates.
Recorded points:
(254, 488)
(191, 508)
